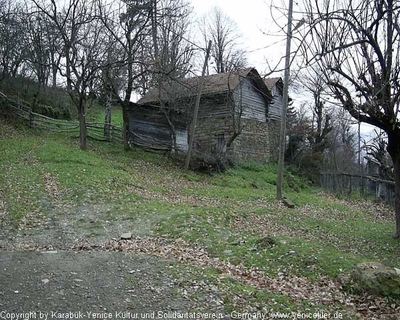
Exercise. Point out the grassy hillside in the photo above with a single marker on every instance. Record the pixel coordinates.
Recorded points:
(233, 217)
(54, 102)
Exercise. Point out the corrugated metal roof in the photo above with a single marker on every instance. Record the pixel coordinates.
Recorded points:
(213, 84)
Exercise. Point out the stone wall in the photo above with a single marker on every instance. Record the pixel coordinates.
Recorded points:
(253, 143)
(259, 141)
(215, 127)
(212, 134)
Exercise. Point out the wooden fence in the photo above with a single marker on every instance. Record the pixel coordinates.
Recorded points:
(366, 186)
(22, 110)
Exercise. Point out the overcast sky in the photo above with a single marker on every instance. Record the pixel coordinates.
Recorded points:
(253, 18)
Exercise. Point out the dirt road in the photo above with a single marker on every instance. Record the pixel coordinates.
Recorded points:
(75, 284)
(41, 270)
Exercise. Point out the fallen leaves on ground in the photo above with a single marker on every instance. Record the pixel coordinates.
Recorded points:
(323, 291)
(2, 205)
(51, 186)
(377, 210)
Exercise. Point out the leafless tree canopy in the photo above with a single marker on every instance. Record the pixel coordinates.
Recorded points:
(13, 45)
(356, 46)
(102, 47)
(173, 24)
(225, 51)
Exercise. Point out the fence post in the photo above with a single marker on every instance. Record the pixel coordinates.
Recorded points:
(337, 183)
(362, 186)
(31, 120)
(350, 185)
(321, 180)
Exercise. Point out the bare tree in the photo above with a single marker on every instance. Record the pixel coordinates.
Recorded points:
(377, 153)
(311, 82)
(224, 34)
(12, 38)
(173, 25)
(309, 127)
(340, 153)
(82, 48)
(356, 43)
(44, 46)
(54, 42)
(109, 80)
(129, 30)
(38, 52)
(172, 53)
(235, 101)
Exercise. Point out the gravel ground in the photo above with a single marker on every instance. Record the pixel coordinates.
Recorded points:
(98, 282)
(40, 274)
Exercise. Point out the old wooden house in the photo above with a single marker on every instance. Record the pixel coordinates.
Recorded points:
(238, 118)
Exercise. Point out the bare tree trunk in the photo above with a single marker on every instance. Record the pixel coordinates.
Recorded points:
(128, 93)
(126, 127)
(55, 63)
(107, 119)
(68, 67)
(394, 151)
(171, 126)
(54, 71)
(82, 126)
(397, 197)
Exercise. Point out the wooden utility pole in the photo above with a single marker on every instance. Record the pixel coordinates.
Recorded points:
(282, 137)
(196, 108)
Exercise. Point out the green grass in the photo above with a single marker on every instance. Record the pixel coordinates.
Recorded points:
(226, 213)
(255, 176)
(81, 173)
(96, 114)
(292, 255)
(21, 179)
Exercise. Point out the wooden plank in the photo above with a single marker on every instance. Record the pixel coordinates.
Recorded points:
(249, 102)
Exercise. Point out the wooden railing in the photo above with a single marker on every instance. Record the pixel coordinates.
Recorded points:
(22, 110)
(365, 185)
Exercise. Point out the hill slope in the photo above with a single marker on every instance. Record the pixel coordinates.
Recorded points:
(233, 238)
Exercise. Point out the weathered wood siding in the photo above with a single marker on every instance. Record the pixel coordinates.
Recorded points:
(214, 106)
(275, 109)
(249, 102)
(251, 107)
(150, 128)
(274, 121)
(182, 139)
